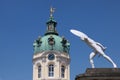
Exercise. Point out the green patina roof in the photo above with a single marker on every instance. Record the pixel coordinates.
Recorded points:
(51, 19)
(46, 46)
(51, 40)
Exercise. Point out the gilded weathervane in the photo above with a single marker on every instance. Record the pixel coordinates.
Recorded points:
(52, 10)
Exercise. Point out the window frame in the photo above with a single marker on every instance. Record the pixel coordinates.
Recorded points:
(39, 71)
(51, 70)
(62, 71)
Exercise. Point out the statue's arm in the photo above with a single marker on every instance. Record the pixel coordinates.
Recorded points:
(101, 45)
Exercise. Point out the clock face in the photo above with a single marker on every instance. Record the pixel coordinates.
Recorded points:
(51, 56)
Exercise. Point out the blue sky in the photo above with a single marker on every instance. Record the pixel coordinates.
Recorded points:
(22, 21)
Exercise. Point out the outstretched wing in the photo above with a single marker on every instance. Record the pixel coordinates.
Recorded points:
(79, 33)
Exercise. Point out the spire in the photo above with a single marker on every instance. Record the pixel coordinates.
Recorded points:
(51, 23)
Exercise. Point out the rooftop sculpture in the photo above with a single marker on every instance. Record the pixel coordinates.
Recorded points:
(97, 47)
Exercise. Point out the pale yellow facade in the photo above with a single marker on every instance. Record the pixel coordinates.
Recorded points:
(61, 59)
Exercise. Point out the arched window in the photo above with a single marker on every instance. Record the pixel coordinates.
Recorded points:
(51, 70)
(62, 71)
(39, 71)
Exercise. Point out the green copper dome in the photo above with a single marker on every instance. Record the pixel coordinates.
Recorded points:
(51, 40)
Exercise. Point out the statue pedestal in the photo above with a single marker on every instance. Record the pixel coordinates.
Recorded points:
(100, 74)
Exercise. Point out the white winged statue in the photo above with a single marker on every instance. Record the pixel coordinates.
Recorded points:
(97, 47)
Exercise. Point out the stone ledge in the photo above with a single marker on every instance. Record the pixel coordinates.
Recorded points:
(100, 74)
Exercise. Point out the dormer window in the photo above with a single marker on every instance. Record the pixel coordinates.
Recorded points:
(51, 40)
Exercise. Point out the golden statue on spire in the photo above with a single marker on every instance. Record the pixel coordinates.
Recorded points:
(52, 10)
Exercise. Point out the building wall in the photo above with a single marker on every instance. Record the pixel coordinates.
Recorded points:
(42, 59)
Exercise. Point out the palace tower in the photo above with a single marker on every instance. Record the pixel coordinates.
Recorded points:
(51, 60)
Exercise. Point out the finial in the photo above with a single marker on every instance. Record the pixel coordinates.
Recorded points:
(52, 10)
